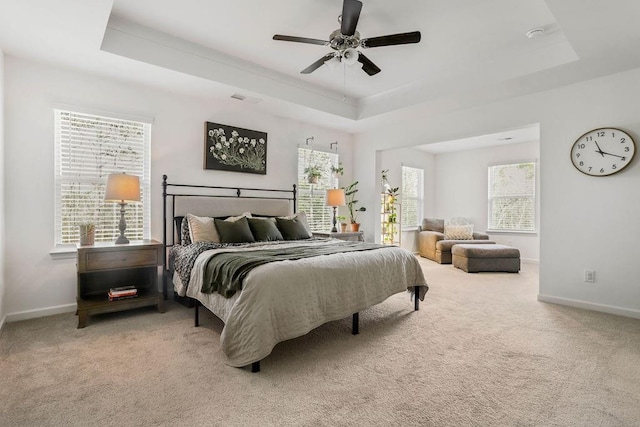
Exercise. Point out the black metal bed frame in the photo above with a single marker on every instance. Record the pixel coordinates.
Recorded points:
(238, 195)
(255, 366)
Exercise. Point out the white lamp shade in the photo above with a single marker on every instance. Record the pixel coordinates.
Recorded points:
(350, 56)
(122, 188)
(336, 197)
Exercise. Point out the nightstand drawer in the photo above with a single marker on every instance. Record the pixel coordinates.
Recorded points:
(107, 260)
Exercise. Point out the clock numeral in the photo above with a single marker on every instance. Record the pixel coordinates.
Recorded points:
(623, 140)
(577, 154)
(626, 148)
(590, 168)
(614, 167)
(581, 163)
(623, 159)
(600, 134)
(581, 146)
(588, 138)
(601, 170)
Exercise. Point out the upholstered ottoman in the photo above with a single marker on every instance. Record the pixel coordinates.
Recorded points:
(478, 258)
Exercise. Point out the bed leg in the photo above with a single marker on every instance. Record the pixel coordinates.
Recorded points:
(416, 298)
(196, 318)
(255, 366)
(355, 324)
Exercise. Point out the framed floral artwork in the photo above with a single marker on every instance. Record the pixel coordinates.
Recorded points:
(235, 149)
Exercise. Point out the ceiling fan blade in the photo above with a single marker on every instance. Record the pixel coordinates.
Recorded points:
(402, 38)
(350, 15)
(300, 40)
(368, 66)
(319, 63)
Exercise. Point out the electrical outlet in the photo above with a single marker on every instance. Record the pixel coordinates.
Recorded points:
(589, 276)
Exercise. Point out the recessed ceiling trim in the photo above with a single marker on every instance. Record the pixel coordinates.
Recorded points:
(144, 44)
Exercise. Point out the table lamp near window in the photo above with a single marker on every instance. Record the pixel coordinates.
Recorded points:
(335, 198)
(122, 188)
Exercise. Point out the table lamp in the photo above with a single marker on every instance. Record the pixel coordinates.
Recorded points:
(122, 188)
(335, 198)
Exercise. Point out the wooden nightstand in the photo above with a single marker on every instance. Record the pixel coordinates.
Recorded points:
(354, 236)
(106, 265)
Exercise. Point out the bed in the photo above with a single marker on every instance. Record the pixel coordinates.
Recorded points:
(271, 290)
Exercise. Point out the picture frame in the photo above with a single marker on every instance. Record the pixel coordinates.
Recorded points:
(234, 149)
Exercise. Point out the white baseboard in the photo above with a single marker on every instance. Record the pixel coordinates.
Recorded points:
(2, 323)
(626, 312)
(530, 260)
(41, 312)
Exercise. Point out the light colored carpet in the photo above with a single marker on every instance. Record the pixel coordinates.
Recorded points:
(481, 351)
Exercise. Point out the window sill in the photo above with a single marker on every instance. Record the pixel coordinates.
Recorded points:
(409, 229)
(514, 232)
(63, 252)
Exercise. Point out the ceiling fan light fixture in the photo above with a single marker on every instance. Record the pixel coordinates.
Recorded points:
(350, 56)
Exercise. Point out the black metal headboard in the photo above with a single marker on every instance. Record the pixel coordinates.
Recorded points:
(173, 192)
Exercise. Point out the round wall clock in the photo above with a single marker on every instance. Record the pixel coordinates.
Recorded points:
(603, 152)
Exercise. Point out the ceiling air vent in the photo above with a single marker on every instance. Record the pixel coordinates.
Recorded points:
(249, 99)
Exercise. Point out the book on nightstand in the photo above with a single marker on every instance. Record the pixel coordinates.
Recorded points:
(122, 292)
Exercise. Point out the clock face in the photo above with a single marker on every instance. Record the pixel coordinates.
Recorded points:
(603, 152)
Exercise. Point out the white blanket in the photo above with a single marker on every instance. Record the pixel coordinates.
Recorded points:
(286, 299)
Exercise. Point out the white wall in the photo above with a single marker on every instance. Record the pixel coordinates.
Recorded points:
(3, 309)
(586, 222)
(36, 283)
(393, 160)
(462, 190)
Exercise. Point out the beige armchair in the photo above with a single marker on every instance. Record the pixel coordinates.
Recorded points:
(435, 244)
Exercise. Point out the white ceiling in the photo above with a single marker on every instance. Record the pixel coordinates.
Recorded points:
(470, 51)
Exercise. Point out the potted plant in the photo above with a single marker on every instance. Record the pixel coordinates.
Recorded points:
(343, 224)
(385, 180)
(337, 171)
(391, 199)
(350, 192)
(314, 173)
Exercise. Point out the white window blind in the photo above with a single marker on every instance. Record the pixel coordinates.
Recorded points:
(88, 148)
(311, 197)
(512, 197)
(412, 196)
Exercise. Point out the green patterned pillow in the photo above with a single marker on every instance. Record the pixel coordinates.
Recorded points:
(264, 229)
(234, 231)
(294, 228)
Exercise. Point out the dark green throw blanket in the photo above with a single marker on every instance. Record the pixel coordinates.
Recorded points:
(226, 271)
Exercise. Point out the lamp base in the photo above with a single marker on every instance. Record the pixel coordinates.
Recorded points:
(121, 240)
(334, 229)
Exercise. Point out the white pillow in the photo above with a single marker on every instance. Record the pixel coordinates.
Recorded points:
(458, 232)
(203, 228)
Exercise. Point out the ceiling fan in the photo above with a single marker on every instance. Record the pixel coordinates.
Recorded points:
(346, 39)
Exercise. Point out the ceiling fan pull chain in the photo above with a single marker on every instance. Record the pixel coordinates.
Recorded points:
(344, 83)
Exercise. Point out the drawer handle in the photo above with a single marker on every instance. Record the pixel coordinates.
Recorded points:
(124, 259)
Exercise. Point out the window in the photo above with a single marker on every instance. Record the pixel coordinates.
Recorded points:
(512, 197)
(412, 195)
(88, 148)
(311, 197)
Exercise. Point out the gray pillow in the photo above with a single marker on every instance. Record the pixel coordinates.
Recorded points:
(433, 224)
(264, 229)
(234, 231)
(292, 229)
